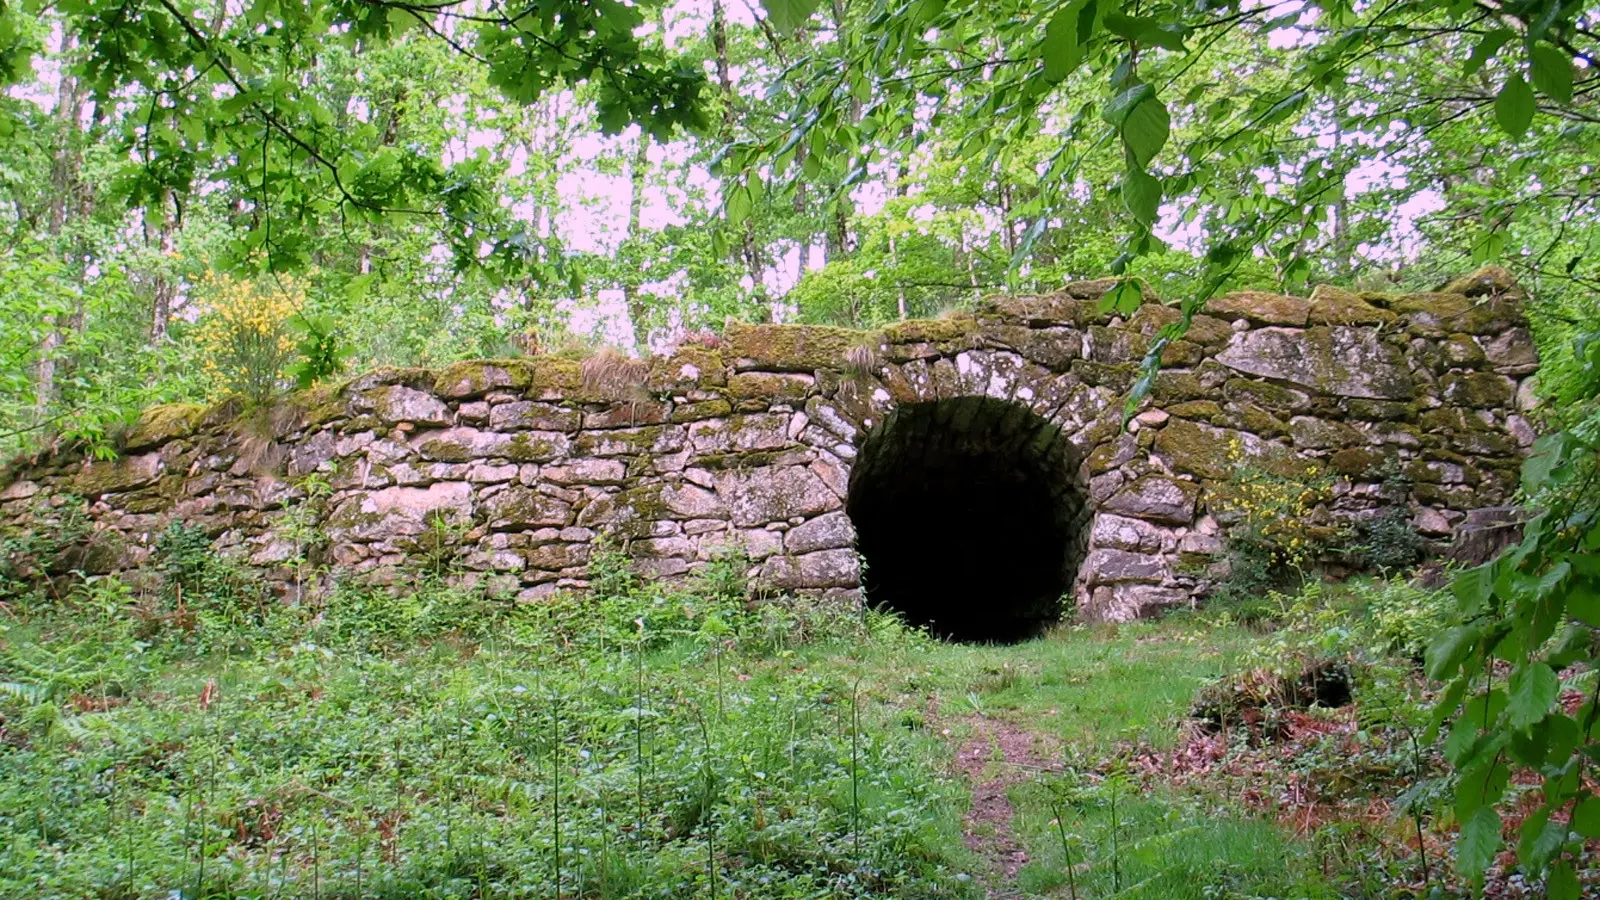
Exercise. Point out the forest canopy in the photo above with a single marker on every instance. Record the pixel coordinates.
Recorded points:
(409, 183)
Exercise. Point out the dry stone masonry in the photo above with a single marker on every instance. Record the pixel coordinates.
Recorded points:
(977, 462)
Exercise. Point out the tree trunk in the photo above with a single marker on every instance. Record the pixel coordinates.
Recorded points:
(749, 249)
(65, 200)
(637, 310)
(165, 289)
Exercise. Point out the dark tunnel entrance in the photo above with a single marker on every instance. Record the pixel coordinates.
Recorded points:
(970, 517)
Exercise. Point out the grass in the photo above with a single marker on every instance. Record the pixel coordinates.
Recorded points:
(644, 742)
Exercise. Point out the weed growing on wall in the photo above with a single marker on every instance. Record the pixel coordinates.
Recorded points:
(1278, 533)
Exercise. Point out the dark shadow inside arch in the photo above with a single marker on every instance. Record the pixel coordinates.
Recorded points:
(970, 516)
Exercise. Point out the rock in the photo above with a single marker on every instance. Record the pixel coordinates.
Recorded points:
(1347, 362)
(823, 569)
(1127, 602)
(311, 454)
(1512, 352)
(1480, 390)
(1259, 307)
(1270, 396)
(829, 531)
(1462, 351)
(790, 348)
(1332, 306)
(526, 415)
(19, 490)
(1431, 522)
(774, 493)
(1157, 499)
(518, 507)
(689, 502)
(123, 474)
(396, 403)
(1107, 565)
(1197, 544)
(1111, 530)
(586, 471)
(160, 424)
(1323, 434)
(1196, 449)
(400, 511)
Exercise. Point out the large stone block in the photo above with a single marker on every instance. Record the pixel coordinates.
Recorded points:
(1345, 362)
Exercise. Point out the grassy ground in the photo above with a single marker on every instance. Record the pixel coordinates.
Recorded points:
(644, 743)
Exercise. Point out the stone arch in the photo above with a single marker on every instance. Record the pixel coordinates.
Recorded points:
(970, 514)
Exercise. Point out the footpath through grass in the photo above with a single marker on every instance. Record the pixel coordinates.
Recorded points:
(644, 742)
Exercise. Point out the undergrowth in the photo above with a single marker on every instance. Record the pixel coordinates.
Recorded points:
(429, 742)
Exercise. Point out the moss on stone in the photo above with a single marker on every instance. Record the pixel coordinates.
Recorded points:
(1260, 307)
(1333, 306)
(950, 328)
(160, 424)
(319, 405)
(1479, 390)
(1194, 449)
(705, 409)
(636, 440)
(687, 367)
(1441, 305)
(1252, 418)
(1176, 386)
(1486, 280)
(1047, 309)
(1116, 376)
(768, 386)
(1203, 410)
(115, 475)
(1264, 394)
(1358, 462)
(1462, 350)
(476, 377)
(748, 460)
(792, 348)
(525, 447)
(1380, 410)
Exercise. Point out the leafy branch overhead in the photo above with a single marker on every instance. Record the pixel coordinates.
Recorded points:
(222, 99)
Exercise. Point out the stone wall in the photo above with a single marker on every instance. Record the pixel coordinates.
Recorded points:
(765, 438)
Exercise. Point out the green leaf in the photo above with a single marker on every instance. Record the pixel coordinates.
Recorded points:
(1122, 105)
(1474, 588)
(1552, 72)
(1486, 49)
(1449, 650)
(1141, 193)
(1562, 883)
(1145, 130)
(1533, 690)
(1513, 108)
(1478, 844)
(1549, 452)
(787, 15)
(1062, 50)
(1124, 299)
(1586, 817)
(1483, 786)
(739, 204)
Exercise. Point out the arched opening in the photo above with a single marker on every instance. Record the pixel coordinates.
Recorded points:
(970, 517)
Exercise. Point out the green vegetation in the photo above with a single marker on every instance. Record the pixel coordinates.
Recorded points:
(201, 739)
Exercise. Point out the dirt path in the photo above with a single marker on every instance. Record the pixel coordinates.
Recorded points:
(996, 755)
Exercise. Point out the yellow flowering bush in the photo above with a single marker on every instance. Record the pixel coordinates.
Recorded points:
(1279, 532)
(243, 334)
(1276, 510)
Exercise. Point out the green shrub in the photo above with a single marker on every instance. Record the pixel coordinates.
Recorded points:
(1388, 542)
